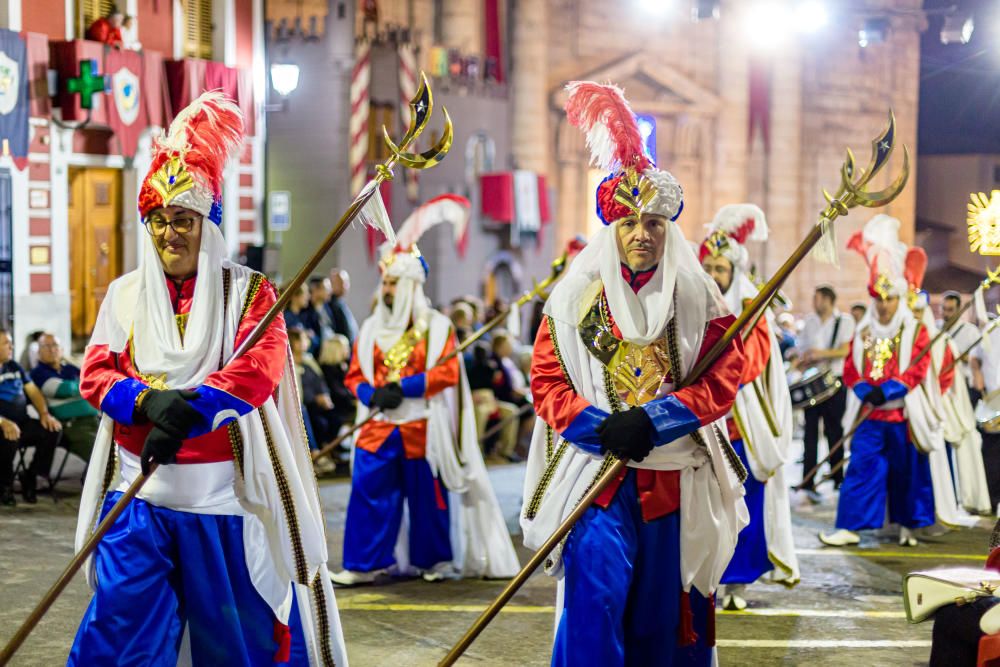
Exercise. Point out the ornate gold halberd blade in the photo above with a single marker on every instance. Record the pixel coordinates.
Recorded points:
(421, 107)
(882, 146)
(886, 195)
(428, 158)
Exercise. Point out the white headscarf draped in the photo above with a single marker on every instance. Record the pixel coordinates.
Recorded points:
(143, 310)
(643, 316)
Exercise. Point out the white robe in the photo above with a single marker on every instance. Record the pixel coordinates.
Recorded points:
(966, 442)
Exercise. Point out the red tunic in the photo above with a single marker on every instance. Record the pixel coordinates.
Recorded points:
(416, 381)
(708, 398)
(108, 380)
(910, 378)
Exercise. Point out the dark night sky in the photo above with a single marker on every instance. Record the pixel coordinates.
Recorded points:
(960, 84)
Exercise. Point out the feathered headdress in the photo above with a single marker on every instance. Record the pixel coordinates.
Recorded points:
(403, 259)
(634, 186)
(188, 162)
(894, 269)
(730, 230)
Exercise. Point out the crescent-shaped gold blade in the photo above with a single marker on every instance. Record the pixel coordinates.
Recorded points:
(883, 197)
(882, 146)
(430, 157)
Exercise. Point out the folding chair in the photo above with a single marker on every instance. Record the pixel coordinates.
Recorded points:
(51, 480)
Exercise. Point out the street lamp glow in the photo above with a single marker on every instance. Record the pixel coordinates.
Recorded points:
(656, 7)
(284, 78)
(811, 16)
(767, 24)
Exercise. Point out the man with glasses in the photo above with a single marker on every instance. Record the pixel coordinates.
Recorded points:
(224, 545)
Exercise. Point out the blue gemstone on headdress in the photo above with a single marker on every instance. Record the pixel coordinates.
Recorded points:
(172, 179)
(635, 192)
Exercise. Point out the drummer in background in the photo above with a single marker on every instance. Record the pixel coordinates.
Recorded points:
(823, 343)
(964, 333)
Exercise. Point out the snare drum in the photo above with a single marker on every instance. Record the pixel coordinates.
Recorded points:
(813, 388)
(988, 413)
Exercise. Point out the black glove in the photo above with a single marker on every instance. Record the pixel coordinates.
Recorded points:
(875, 397)
(170, 410)
(388, 397)
(628, 434)
(161, 447)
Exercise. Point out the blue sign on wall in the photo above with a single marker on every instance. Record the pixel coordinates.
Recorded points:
(647, 127)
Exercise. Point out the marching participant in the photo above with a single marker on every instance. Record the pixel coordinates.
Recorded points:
(955, 425)
(986, 370)
(887, 464)
(960, 418)
(230, 518)
(421, 446)
(627, 322)
(760, 423)
(823, 344)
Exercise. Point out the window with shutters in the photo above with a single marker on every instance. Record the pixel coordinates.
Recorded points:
(197, 28)
(88, 11)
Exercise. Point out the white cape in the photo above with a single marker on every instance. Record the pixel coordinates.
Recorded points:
(481, 545)
(268, 535)
(966, 443)
(767, 451)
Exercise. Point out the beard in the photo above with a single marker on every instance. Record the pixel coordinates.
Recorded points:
(387, 300)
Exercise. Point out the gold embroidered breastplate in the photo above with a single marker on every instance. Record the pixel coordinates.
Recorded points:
(397, 356)
(637, 372)
(879, 351)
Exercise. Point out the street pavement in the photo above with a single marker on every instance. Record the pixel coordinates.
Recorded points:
(847, 609)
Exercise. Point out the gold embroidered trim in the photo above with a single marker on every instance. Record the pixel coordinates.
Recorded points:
(301, 569)
(559, 357)
(543, 483)
(236, 442)
(171, 180)
(548, 442)
(397, 355)
(256, 281)
(879, 351)
(319, 597)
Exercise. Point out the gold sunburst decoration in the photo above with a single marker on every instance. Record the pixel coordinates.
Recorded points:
(984, 223)
(634, 191)
(171, 180)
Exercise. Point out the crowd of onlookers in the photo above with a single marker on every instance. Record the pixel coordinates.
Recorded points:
(40, 409)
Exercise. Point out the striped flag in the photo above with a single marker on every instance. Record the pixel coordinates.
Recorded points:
(358, 127)
(407, 89)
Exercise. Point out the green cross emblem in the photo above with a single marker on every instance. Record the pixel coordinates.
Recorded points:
(89, 82)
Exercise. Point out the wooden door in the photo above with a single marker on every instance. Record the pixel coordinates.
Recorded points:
(95, 241)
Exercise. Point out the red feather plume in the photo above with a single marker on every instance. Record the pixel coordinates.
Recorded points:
(613, 136)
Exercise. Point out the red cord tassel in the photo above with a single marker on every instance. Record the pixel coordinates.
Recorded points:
(710, 624)
(439, 496)
(686, 636)
(283, 637)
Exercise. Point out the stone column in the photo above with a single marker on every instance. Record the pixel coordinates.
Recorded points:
(731, 150)
(781, 189)
(462, 25)
(528, 82)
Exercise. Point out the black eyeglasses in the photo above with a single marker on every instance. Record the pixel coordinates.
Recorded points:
(157, 224)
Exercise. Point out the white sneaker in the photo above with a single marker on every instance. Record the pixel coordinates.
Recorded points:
(352, 577)
(841, 538)
(440, 572)
(906, 537)
(732, 599)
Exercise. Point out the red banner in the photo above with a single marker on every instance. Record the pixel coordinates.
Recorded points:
(125, 103)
